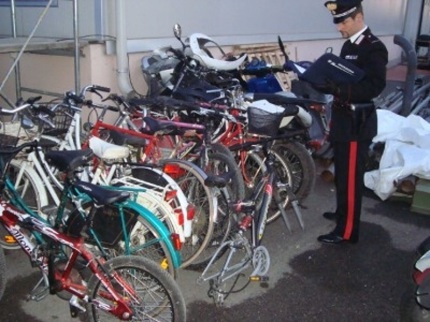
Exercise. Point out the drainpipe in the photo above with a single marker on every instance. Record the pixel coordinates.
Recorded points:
(123, 75)
(408, 90)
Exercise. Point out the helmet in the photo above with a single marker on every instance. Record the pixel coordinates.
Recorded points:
(197, 50)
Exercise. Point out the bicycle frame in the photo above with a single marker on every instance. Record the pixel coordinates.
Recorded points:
(13, 219)
(255, 210)
(45, 172)
(255, 219)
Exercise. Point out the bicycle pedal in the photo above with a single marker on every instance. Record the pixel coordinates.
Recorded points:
(38, 294)
(257, 278)
(75, 307)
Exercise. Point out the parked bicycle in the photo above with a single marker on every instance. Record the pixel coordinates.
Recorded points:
(92, 285)
(131, 228)
(239, 251)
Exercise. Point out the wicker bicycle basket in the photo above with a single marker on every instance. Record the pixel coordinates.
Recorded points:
(8, 140)
(62, 120)
(263, 122)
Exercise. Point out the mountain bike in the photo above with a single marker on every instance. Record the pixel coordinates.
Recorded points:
(127, 287)
(241, 252)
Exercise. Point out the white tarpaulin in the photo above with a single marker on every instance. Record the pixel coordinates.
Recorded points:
(406, 152)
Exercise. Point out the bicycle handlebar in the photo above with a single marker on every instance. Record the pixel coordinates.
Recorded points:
(15, 110)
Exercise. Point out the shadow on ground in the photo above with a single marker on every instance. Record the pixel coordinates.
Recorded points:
(361, 282)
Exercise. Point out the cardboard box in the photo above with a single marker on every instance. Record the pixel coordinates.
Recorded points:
(421, 199)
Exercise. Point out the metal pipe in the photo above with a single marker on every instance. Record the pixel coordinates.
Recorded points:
(411, 58)
(123, 75)
(24, 46)
(14, 35)
(76, 55)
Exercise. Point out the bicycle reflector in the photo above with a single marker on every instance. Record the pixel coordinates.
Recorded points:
(191, 212)
(170, 195)
(180, 216)
(9, 239)
(173, 170)
(176, 241)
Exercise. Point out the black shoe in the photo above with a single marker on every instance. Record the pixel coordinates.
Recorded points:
(333, 238)
(330, 215)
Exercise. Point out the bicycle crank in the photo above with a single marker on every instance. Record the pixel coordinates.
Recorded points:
(260, 262)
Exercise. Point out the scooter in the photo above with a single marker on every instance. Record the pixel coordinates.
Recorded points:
(264, 83)
(415, 303)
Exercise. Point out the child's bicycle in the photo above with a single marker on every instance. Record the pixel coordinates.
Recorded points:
(127, 287)
(240, 252)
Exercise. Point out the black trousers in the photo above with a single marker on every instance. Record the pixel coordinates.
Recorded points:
(349, 161)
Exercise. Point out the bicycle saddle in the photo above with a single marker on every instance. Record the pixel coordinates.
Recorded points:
(156, 126)
(126, 139)
(69, 160)
(100, 195)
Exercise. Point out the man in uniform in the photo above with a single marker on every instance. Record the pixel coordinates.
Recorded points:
(354, 121)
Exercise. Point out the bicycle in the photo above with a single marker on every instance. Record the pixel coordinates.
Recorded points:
(96, 285)
(251, 214)
(133, 228)
(206, 193)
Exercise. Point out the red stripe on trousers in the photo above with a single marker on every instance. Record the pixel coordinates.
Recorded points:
(351, 190)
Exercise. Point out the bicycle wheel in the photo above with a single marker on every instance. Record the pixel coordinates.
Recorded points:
(302, 167)
(252, 167)
(159, 297)
(283, 170)
(30, 188)
(142, 236)
(191, 180)
(158, 184)
(220, 163)
(236, 184)
(3, 273)
(222, 229)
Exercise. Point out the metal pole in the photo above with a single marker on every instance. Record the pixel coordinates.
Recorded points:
(77, 56)
(411, 57)
(17, 67)
(25, 44)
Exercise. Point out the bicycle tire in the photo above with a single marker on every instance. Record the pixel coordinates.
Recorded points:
(160, 296)
(219, 163)
(191, 179)
(302, 167)
(237, 183)
(3, 273)
(31, 189)
(145, 241)
(221, 232)
(283, 170)
(253, 166)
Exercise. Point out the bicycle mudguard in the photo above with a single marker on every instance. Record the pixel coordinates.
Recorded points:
(159, 225)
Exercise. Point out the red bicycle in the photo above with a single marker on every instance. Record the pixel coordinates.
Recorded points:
(128, 287)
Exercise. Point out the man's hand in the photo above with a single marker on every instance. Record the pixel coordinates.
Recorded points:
(327, 88)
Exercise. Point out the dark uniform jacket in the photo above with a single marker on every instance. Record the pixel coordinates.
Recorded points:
(369, 54)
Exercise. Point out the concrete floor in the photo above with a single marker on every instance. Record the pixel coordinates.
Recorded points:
(308, 281)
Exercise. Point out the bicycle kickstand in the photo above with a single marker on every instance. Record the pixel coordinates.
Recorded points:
(40, 290)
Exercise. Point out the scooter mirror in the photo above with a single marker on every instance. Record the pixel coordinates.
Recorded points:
(177, 30)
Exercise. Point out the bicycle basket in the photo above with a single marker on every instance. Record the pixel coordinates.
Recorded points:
(263, 122)
(62, 120)
(8, 140)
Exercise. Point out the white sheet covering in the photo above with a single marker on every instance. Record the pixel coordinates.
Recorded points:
(407, 151)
